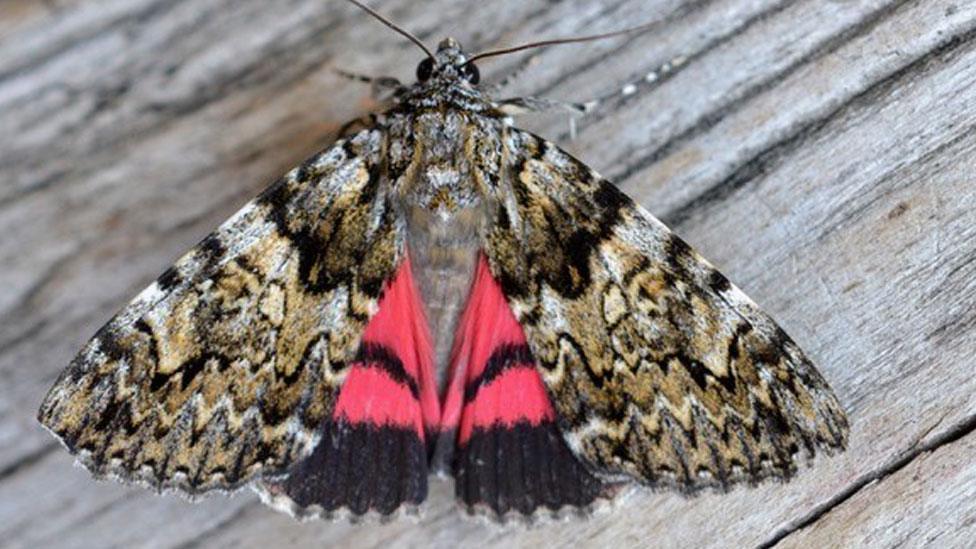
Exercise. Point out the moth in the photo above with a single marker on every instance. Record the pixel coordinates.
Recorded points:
(442, 292)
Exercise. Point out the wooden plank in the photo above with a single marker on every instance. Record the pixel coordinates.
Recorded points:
(52, 504)
(15, 14)
(817, 152)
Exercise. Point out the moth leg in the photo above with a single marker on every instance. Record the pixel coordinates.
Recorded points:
(515, 106)
(382, 88)
(357, 124)
(522, 105)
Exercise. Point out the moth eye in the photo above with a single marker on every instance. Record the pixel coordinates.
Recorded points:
(425, 69)
(471, 73)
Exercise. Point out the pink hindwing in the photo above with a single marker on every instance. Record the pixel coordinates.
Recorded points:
(392, 381)
(511, 458)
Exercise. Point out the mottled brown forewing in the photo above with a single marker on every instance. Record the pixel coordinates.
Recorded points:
(660, 369)
(225, 367)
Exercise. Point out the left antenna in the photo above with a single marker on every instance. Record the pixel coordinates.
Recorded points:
(393, 26)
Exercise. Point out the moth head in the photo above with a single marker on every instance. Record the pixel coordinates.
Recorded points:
(449, 63)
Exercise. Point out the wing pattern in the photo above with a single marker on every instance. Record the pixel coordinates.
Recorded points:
(659, 368)
(227, 365)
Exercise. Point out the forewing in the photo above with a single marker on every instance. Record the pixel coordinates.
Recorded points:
(658, 367)
(225, 367)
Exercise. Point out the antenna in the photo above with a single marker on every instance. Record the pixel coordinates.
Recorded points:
(392, 25)
(557, 41)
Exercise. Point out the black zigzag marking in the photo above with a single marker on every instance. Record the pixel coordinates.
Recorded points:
(520, 469)
(361, 467)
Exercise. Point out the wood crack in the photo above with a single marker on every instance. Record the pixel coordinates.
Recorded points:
(201, 538)
(265, 70)
(836, 222)
(955, 433)
(28, 460)
(712, 118)
(763, 160)
(93, 32)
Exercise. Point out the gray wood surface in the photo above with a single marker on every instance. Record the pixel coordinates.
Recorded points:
(821, 153)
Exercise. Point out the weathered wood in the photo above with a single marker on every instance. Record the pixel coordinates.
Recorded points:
(820, 153)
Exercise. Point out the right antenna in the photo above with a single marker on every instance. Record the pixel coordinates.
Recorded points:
(556, 41)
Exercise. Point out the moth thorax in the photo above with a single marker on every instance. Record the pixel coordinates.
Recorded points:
(440, 190)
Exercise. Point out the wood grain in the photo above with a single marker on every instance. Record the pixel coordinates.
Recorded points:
(820, 153)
